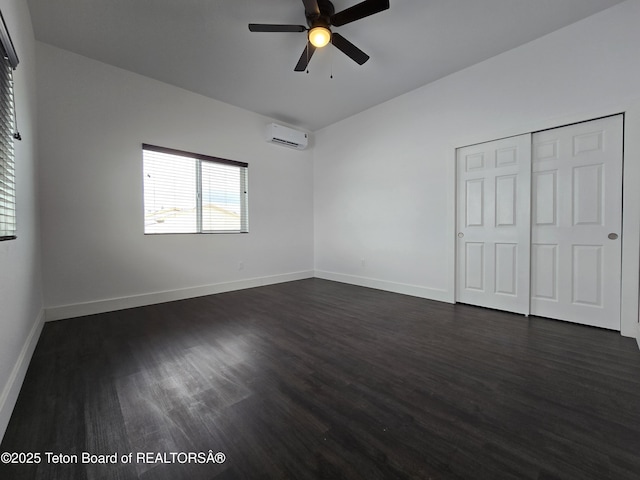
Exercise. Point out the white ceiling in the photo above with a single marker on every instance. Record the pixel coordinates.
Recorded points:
(205, 46)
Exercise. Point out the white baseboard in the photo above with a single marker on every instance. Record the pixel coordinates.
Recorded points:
(403, 288)
(109, 305)
(12, 388)
(638, 335)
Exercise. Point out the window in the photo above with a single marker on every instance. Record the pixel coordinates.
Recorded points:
(8, 62)
(192, 193)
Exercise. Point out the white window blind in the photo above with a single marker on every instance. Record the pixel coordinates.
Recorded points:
(193, 193)
(7, 130)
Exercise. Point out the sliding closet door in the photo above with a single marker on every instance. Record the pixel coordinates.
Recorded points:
(577, 223)
(493, 220)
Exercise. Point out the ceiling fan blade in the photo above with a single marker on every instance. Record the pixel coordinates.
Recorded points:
(307, 53)
(311, 7)
(361, 10)
(262, 27)
(349, 49)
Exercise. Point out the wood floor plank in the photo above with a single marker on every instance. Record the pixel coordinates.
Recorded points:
(317, 379)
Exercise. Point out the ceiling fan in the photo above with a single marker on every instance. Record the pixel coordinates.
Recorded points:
(321, 17)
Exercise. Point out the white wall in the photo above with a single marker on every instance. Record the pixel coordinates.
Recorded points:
(21, 305)
(384, 180)
(93, 119)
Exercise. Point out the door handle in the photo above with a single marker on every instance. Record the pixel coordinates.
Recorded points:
(460, 235)
(613, 236)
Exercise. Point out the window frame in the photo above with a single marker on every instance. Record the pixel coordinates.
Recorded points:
(244, 196)
(8, 196)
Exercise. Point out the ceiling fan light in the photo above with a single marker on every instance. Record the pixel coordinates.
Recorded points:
(319, 36)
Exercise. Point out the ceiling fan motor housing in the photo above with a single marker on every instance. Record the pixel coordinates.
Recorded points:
(324, 18)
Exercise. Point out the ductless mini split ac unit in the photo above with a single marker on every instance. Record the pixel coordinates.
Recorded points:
(287, 137)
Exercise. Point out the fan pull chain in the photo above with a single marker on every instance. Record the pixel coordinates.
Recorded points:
(331, 58)
(307, 50)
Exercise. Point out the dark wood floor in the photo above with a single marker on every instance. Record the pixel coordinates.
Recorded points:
(316, 379)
